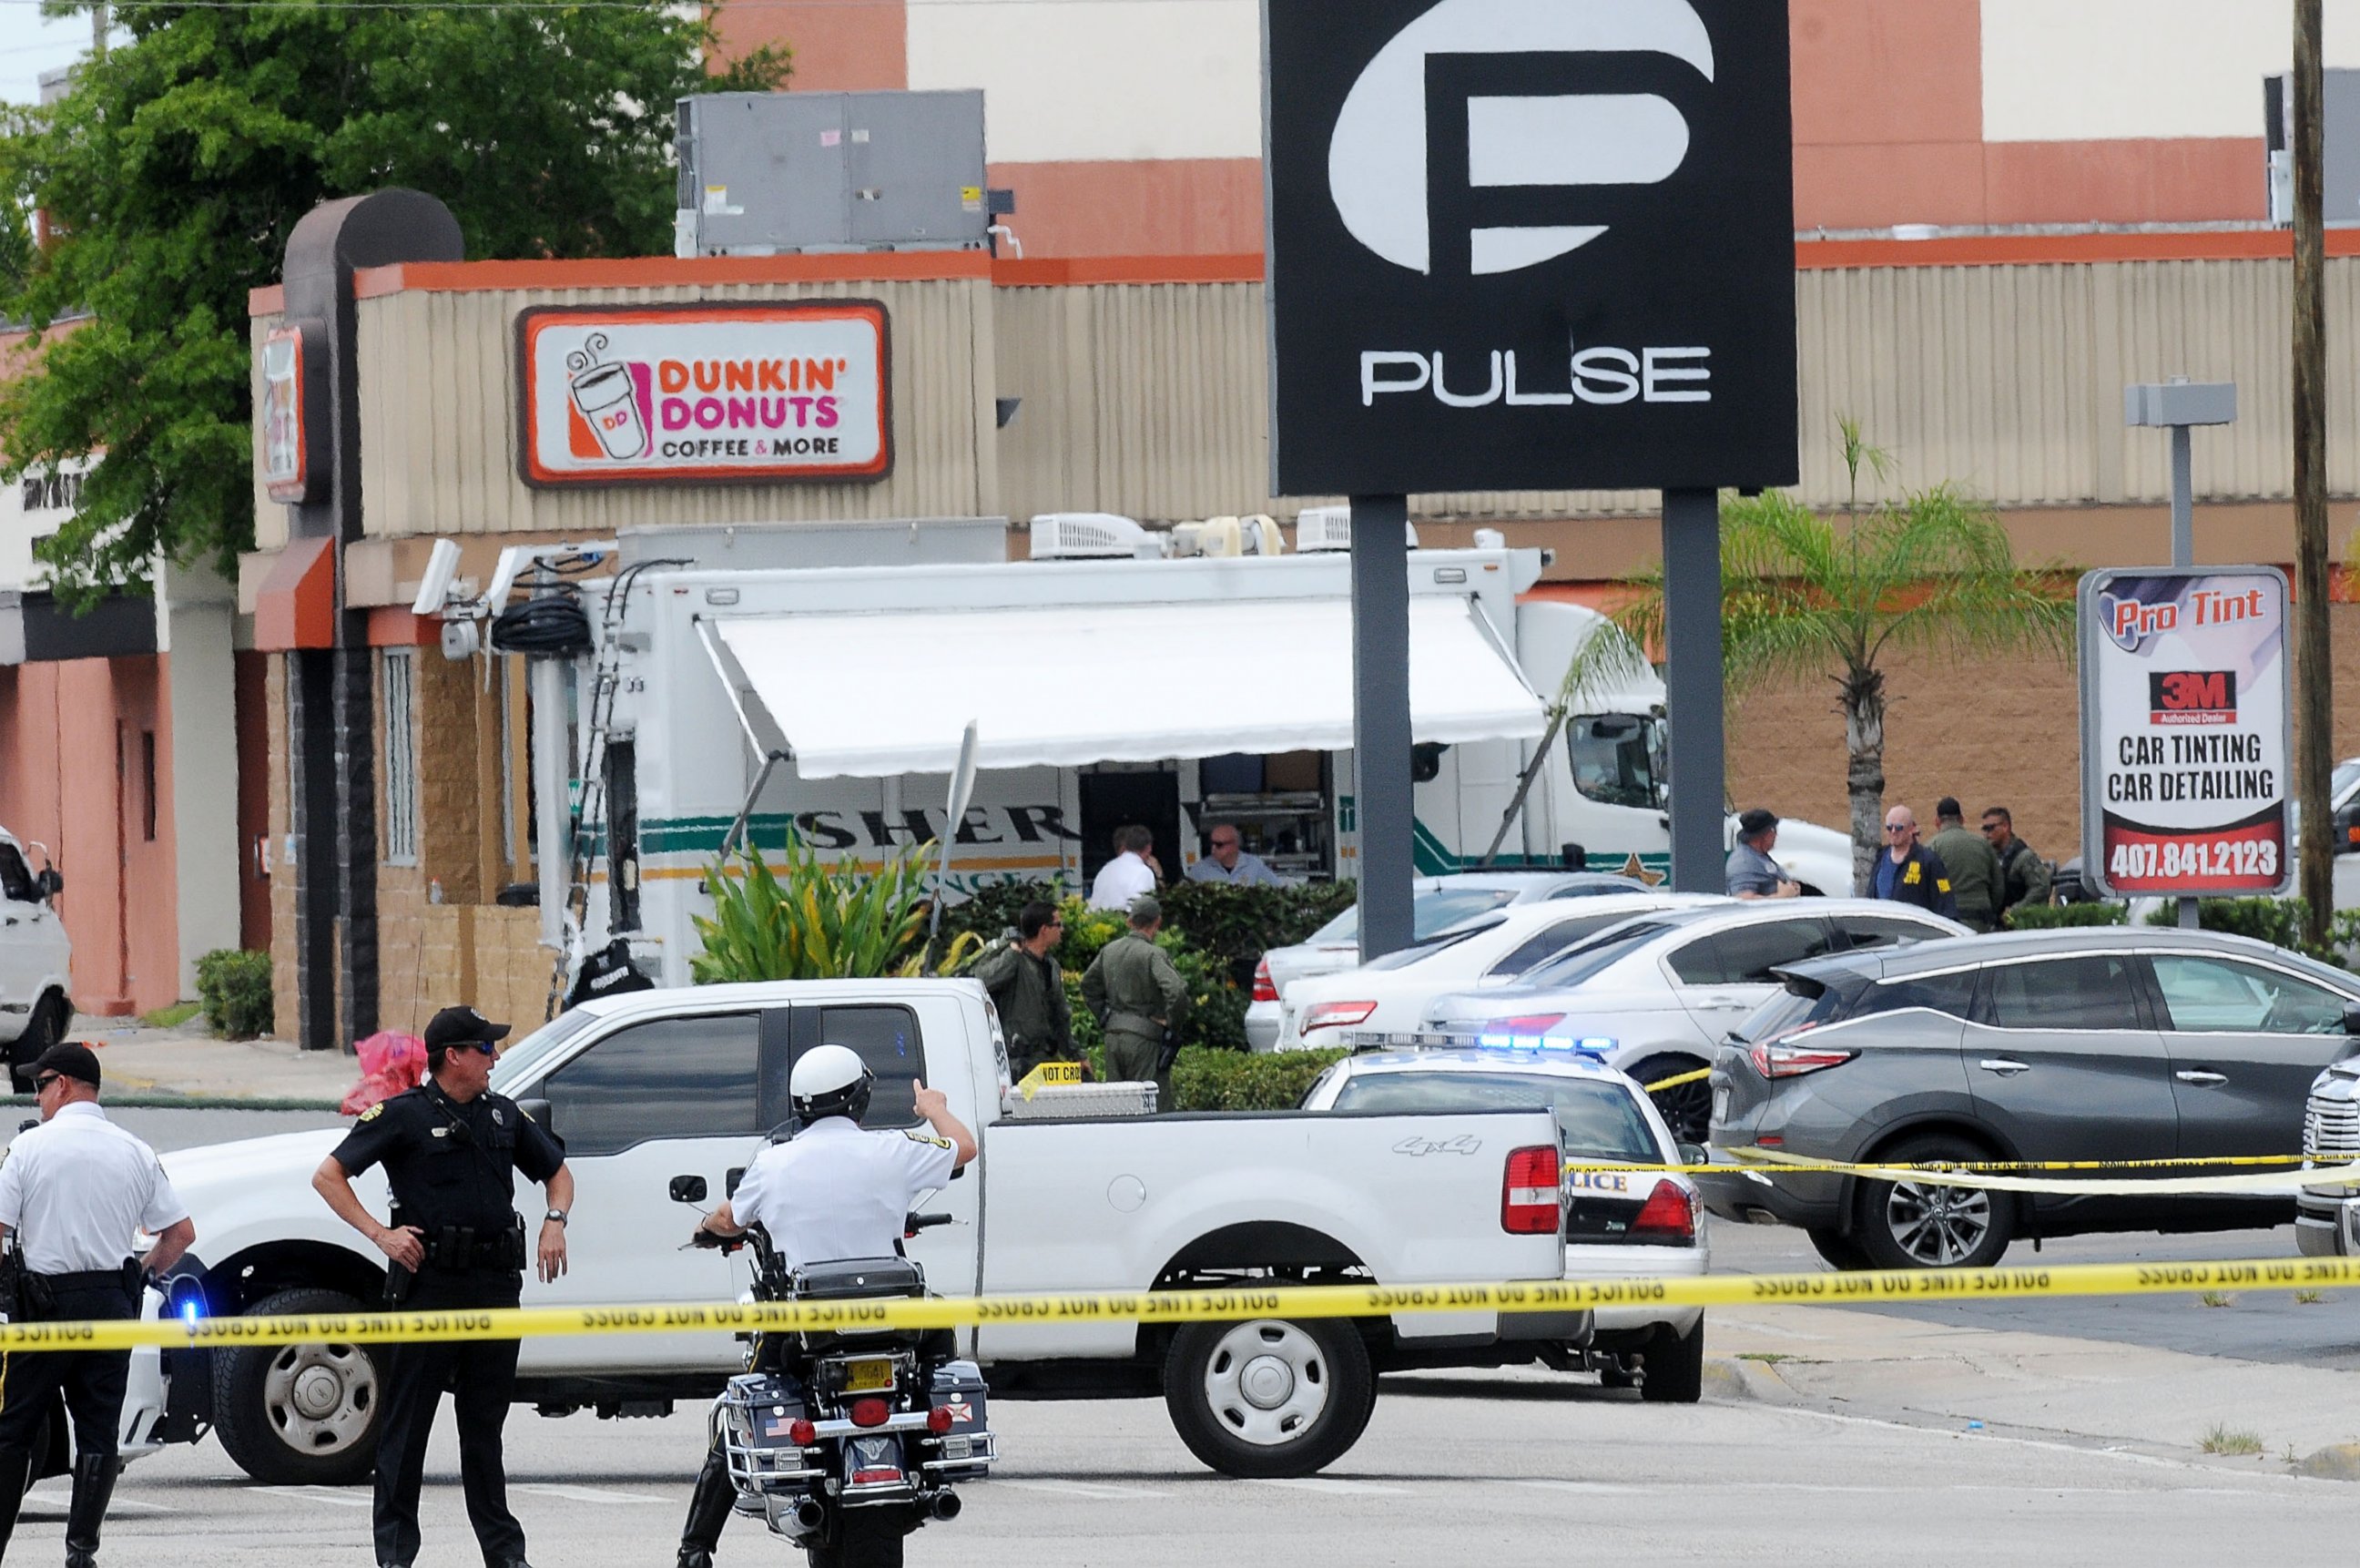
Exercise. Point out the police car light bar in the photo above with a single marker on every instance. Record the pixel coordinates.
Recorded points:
(1488, 1039)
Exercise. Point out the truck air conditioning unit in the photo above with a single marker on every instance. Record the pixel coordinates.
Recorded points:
(1330, 528)
(1224, 536)
(1093, 536)
(776, 173)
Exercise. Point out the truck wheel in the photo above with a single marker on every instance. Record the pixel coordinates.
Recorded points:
(299, 1414)
(865, 1539)
(1269, 1398)
(47, 1027)
(1674, 1374)
(1687, 1109)
(1922, 1224)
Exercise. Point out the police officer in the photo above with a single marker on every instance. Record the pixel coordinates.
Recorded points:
(450, 1147)
(831, 1191)
(1138, 996)
(73, 1191)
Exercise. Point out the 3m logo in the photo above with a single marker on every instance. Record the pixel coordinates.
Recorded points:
(2193, 698)
(1378, 163)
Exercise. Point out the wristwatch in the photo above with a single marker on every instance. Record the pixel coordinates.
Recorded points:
(555, 1216)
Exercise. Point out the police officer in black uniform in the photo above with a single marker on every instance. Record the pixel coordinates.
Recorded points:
(449, 1148)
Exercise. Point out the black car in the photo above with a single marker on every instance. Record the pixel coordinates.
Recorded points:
(2103, 1043)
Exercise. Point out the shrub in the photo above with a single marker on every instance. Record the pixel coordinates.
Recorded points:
(2277, 921)
(1238, 924)
(234, 987)
(824, 919)
(2051, 916)
(1236, 1080)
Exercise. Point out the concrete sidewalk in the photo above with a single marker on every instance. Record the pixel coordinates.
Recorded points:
(137, 1061)
(2086, 1393)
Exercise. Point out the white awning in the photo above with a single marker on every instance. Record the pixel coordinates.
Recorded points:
(876, 694)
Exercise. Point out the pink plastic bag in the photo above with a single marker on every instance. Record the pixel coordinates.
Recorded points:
(390, 1063)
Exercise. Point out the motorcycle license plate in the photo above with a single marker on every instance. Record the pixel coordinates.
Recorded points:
(872, 1376)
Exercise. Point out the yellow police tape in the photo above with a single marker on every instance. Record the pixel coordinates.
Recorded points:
(1999, 1175)
(1197, 1306)
(1677, 1078)
(1047, 1073)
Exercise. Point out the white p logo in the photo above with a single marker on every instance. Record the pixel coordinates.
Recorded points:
(1377, 162)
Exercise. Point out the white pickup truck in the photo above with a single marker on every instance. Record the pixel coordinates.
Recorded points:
(677, 1089)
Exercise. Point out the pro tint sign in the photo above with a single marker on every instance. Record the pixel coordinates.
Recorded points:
(1529, 245)
(2185, 733)
(758, 393)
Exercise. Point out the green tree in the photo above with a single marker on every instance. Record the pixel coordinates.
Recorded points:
(1930, 574)
(174, 169)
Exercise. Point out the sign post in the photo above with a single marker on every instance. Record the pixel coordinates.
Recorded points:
(2186, 733)
(1521, 245)
(2176, 405)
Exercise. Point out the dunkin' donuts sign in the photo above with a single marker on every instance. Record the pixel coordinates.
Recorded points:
(757, 393)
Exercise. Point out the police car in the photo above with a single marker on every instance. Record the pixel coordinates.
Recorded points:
(1618, 1224)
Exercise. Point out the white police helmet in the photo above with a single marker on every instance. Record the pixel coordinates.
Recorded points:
(830, 1081)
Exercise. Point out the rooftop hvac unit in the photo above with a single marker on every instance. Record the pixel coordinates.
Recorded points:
(1330, 528)
(774, 173)
(1092, 536)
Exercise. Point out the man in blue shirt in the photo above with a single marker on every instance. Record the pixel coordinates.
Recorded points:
(1752, 873)
(1909, 873)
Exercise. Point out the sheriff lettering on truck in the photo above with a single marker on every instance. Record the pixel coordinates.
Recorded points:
(661, 1095)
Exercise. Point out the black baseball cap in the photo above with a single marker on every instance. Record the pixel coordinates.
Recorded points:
(462, 1026)
(70, 1059)
(1756, 822)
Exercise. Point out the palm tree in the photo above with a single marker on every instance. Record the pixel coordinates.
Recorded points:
(1804, 595)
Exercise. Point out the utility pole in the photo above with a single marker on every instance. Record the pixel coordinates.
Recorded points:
(2314, 720)
(98, 22)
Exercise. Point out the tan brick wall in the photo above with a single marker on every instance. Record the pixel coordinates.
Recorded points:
(1990, 731)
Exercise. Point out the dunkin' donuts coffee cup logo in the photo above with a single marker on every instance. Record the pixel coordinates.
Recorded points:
(756, 393)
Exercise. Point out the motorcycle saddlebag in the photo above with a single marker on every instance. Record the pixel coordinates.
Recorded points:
(854, 1279)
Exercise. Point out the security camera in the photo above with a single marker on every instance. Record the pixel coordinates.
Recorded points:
(434, 587)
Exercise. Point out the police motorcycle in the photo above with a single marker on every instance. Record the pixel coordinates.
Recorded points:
(845, 1442)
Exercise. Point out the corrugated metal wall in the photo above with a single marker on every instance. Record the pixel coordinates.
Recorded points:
(438, 416)
(1149, 399)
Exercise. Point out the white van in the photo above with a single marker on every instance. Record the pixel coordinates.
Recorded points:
(34, 960)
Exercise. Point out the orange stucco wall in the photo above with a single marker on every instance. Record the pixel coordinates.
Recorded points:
(73, 776)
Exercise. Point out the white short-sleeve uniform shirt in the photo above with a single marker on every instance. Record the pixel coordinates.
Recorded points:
(836, 1192)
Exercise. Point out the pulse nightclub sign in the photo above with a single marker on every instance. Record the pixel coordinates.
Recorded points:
(2185, 731)
(1530, 245)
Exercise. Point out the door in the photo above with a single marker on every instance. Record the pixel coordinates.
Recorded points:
(1724, 975)
(2060, 1060)
(652, 1101)
(1112, 800)
(2245, 1039)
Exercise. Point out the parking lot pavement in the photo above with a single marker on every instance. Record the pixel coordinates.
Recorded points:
(1524, 1467)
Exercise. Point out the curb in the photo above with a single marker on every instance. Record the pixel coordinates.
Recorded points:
(1732, 1378)
(164, 1100)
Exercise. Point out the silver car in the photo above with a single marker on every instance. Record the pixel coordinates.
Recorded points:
(2112, 1043)
(1438, 902)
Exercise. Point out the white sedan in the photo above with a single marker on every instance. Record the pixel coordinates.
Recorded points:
(1392, 994)
(1654, 994)
(1620, 1224)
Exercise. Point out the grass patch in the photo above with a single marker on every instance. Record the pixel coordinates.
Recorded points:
(172, 1017)
(2216, 1299)
(2219, 1438)
(2310, 1297)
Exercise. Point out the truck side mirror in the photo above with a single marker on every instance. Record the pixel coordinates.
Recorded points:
(2352, 1018)
(538, 1110)
(2347, 830)
(49, 883)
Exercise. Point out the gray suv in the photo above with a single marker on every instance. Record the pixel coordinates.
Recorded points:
(2095, 1044)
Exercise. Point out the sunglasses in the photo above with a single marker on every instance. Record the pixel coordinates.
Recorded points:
(486, 1047)
(1897, 828)
(41, 1084)
(1993, 827)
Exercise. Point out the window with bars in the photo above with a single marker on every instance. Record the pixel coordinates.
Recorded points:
(400, 757)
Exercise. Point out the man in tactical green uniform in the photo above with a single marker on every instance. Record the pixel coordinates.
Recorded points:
(1029, 989)
(1136, 995)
